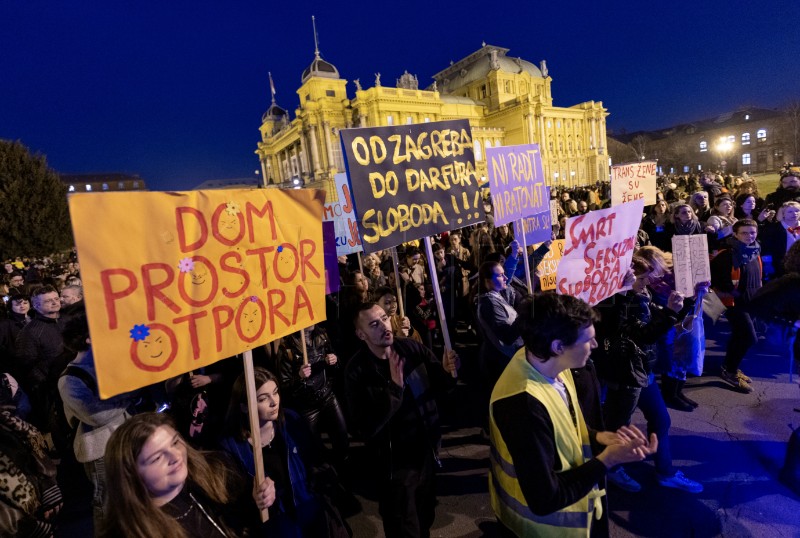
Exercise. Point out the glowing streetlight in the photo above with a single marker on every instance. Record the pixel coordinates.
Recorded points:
(723, 148)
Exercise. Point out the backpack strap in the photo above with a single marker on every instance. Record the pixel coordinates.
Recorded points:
(83, 375)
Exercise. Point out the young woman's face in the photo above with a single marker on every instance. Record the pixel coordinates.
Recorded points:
(269, 401)
(661, 207)
(749, 204)
(389, 304)
(20, 306)
(684, 214)
(162, 464)
(725, 207)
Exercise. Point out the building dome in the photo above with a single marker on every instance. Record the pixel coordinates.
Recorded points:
(478, 65)
(274, 112)
(320, 68)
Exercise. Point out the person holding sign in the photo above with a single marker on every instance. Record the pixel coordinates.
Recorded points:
(632, 324)
(290, 459)
(496, 315)
(158, 485)
(544, 480)
(391, 384)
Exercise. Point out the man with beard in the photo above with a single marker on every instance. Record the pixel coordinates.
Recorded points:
(390, 385)
(788, 190)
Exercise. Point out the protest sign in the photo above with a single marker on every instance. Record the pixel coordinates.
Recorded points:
(331, 258)
(411, 181)
(538, 227)
(516, 182)
(598, 248)
(554, 212)
(633, 181)
(176, 281)
(343, 215)
(549, 264)
(690, 263)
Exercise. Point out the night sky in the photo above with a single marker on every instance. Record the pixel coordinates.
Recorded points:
(174, 91)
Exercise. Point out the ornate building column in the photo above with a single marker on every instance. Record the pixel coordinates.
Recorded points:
(304, 165)
(264, 178)
(329, 151)
(362, 120)
(312, 133)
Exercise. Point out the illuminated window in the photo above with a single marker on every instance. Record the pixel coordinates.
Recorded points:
(105, 186)
(477, 150)
(409, 120)
(745, 138)
(488, 144)
(703, 146)
(72, 188)
(558, 124)
(761, 135)
(549, 124)
(731, 139)
(747, 117)
(135, 184)
(121, 185)
(685, 170)
(88, 187)
(745, 158)
(389, 120)
(427, 119)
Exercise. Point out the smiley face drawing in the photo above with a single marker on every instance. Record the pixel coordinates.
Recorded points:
(285, 262)
(250, 319)
(155, 349)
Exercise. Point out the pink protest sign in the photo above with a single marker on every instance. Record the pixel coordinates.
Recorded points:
(597, 252)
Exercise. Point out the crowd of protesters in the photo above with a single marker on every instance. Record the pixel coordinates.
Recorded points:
(176, 458)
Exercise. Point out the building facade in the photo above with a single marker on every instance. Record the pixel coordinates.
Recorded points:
(507, 101)
(102, 182)
(753, 140)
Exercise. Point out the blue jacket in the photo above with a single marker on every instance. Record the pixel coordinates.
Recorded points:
(295, 435)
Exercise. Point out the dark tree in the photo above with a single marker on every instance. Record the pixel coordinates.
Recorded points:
(33, 204)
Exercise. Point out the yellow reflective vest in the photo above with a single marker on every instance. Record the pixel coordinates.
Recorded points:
(573, 449)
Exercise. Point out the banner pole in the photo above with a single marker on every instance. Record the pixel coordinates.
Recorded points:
(255, 427)
(305, 350)
(525, 257)
(360, 264)
(396, 264)
(438, 295)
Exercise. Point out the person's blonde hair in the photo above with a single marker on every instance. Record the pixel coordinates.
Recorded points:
(128, 509)
(660, 261)
(790, 203)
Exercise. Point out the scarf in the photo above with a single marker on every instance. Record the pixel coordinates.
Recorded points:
(742, 254)
(687, 228)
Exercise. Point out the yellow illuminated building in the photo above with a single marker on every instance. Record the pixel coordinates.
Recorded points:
(507, 101)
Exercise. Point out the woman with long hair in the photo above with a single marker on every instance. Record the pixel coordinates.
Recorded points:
(655, 224)
(683, 221)
(720, 224)
(159, 486)
(290, 459)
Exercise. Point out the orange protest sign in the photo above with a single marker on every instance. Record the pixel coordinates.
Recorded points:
(176, 281)
(549, 265)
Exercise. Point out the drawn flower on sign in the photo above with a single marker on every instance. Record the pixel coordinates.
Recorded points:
(253, 299)
(232, 208)
(140, 332)
(186, 265)
(280, 248)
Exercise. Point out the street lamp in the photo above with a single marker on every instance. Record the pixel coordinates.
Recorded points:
(723, 148)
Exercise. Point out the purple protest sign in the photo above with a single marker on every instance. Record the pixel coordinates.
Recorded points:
(538, 227)
(329, 255)
(516, 182)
